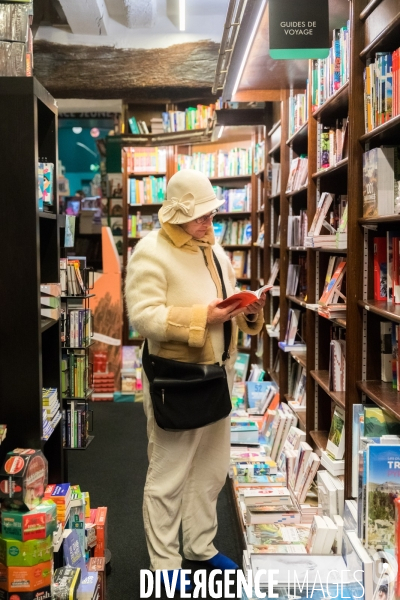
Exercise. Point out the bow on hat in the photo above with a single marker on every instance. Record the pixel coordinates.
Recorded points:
(184, 205)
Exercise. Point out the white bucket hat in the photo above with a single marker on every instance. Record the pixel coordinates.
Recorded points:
(190, 195)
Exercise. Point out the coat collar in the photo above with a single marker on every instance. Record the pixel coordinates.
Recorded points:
(179, 238)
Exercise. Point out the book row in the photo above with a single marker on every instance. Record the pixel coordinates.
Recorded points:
(233, 232)
(298, 174)
(298, 112)
(333, 144)
(74, 374)
(75, 425)
(330, 74)
(241, 263)
(146, 160)
(76, 327)
(387, 267)
(381, 89)
(236, 199)
(273, 179)
(51, 412)
(237, 161)
(147, 190)
(140, 225)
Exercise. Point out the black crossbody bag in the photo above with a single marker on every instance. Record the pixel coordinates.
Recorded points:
(189, 395)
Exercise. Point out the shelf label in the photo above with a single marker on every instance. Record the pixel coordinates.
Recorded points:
(298, 29)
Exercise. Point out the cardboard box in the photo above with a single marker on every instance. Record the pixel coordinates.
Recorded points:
(35, 524)
(25, 554)
(26, 579)
(23, 479)
(101, 531)
(99, 565)
(42, 594)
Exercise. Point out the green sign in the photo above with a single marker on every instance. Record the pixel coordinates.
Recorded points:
(298, 29)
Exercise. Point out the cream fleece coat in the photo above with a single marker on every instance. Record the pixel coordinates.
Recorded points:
(171, 279)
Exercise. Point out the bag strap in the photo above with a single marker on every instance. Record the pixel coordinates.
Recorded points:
(227, 324)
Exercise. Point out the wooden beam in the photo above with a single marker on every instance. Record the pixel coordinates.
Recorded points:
(135, 75)
(257, 96)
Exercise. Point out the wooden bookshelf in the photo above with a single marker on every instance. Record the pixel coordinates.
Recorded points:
(322, 378)
(383, 395)
(320, 439)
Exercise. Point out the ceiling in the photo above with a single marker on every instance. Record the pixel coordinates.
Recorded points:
(129, 23)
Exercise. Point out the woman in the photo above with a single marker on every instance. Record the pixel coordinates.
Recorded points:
(172, 294)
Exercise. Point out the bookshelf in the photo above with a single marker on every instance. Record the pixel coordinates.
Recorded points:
(30, 355)
(375, 26)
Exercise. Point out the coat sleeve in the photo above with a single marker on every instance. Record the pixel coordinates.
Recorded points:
(146, 296)
(251, 326)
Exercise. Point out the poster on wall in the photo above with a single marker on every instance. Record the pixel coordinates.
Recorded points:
(298, 29)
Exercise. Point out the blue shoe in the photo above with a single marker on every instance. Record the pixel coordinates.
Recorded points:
(220, 561)
(188, 586)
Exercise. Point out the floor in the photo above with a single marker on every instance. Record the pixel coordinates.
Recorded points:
(113, 471)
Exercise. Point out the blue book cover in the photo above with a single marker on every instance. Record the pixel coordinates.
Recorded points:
(73, 554)
(382, 487)
(88, 585)
(256, 392)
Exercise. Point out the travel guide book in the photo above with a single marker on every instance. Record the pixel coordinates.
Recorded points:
(244, 298)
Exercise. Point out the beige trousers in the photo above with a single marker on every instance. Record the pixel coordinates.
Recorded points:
(187, 471)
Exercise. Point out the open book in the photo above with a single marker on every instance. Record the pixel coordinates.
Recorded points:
(246, 297)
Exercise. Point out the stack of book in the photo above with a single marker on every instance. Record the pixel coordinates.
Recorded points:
(298, 174)
(148, 190)
(146, 160)
(50, 300)
(103, 386)
(60, 494)
(330, 74)
(298, 112)
(273, 179)
(333, 144)
(51, 411)
(231, 232)
(381, 89)
(236, 199)
(381, 178)
(156, 125)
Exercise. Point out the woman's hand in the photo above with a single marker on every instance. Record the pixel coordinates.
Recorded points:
(220, 315)
(255, 308)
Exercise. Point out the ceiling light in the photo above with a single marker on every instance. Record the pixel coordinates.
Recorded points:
(182, 15)
(249, 45)
(77, 130)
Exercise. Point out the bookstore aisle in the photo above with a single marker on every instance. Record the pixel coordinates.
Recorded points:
(114, 469)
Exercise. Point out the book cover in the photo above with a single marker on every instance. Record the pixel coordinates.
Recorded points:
(378, 423)
(382, 487)
(335, 445)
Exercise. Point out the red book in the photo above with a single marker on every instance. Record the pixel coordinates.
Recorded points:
(395, 273)
(333, 285)
(380, 268)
